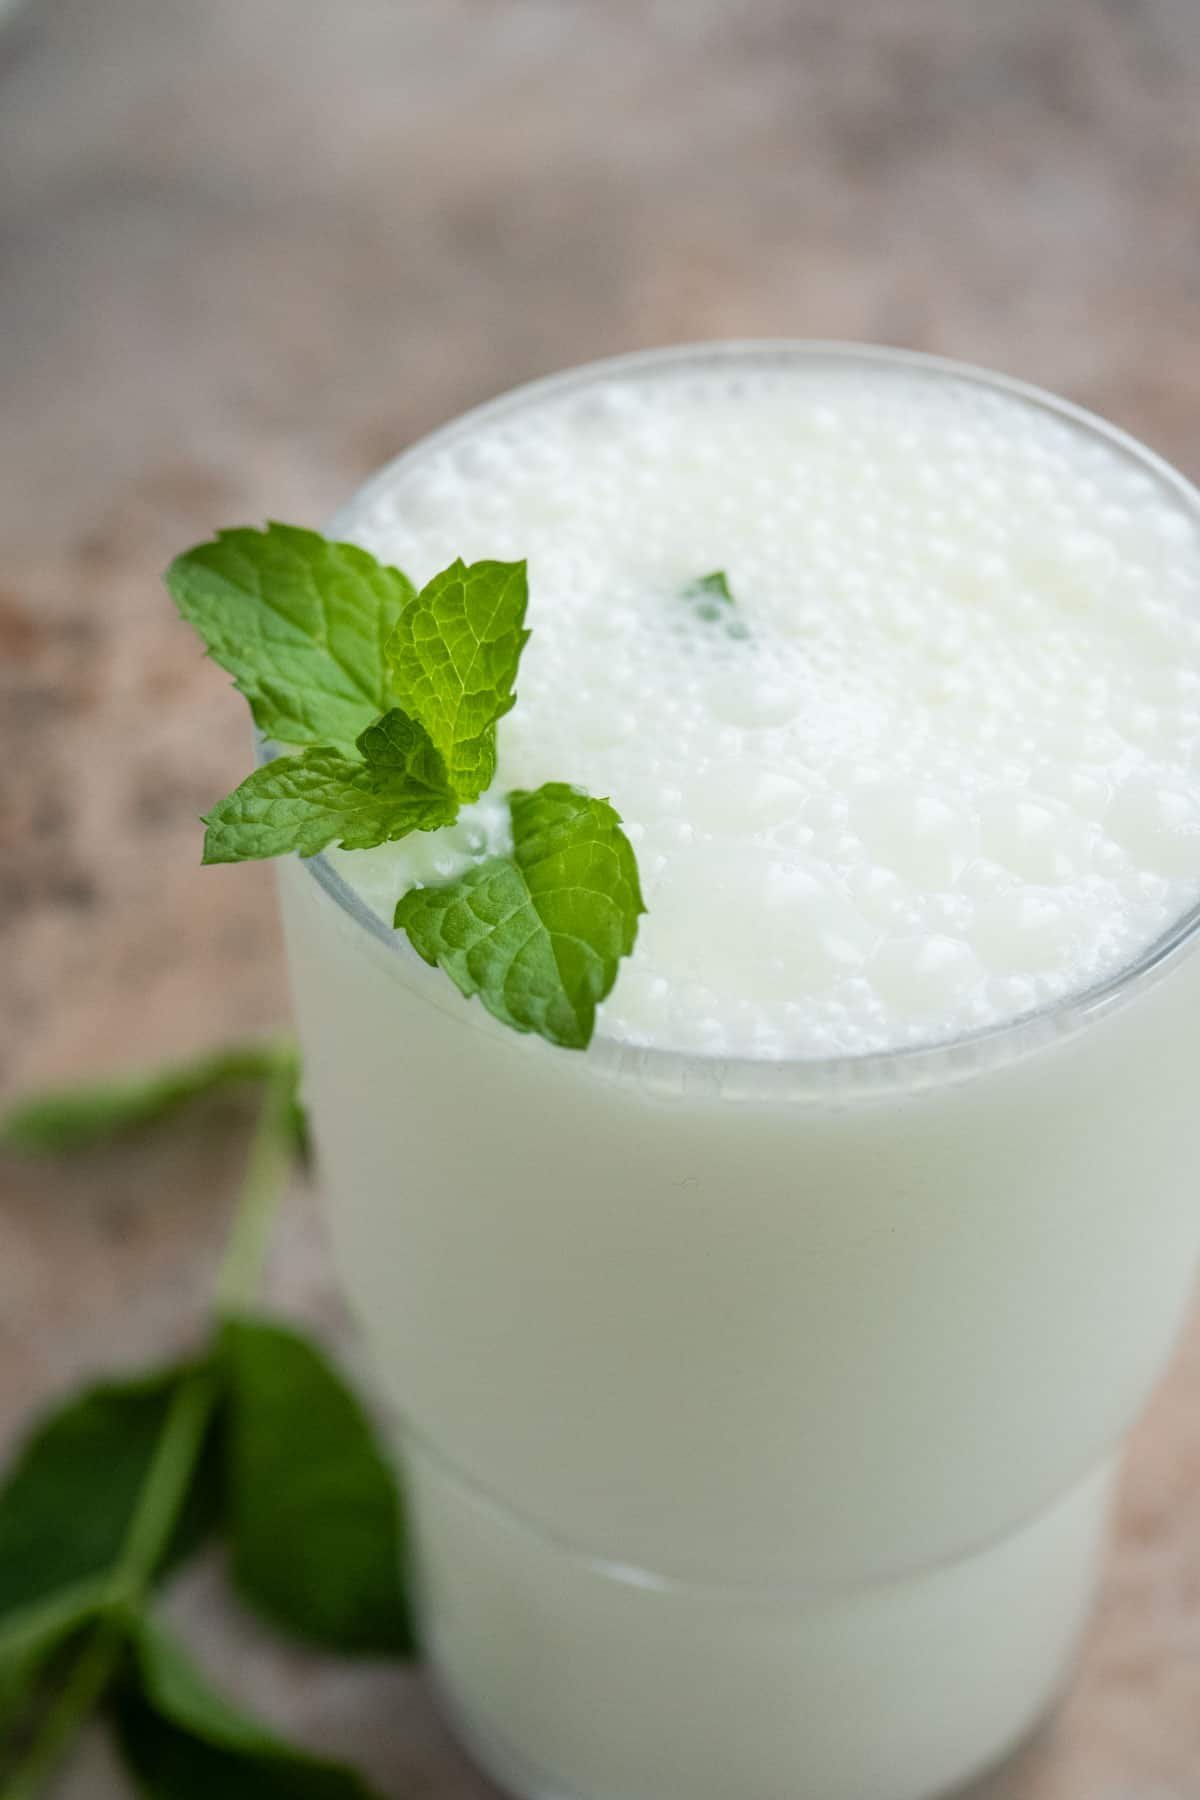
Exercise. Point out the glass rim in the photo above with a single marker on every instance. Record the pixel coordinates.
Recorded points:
(904, 1065)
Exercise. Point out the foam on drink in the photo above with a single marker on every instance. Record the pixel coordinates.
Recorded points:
(946, 768)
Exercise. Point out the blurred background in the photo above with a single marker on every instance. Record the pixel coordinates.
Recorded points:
(249, 249)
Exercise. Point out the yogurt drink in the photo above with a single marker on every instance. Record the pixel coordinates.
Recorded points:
(762, 1371)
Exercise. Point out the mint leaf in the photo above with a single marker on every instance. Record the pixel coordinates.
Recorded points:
(398, 784)
(182, 1741)
(314, 1516)
(398, 742)
(711, 592)
(454, 655)
(299, 622)
(68, 1502)
(712, 600)
(74, 1119)
(170, 1681)
(537, 935)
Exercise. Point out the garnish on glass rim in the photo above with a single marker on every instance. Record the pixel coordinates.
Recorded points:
(385, 702)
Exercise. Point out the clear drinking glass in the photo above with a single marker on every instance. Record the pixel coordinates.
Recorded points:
(760, 1418)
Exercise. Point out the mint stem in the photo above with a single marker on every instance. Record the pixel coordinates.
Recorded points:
(177, 1452)
(264, 1183)
(175, 1457)
(90, 1674)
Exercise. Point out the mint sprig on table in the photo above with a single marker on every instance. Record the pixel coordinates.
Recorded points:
(253, 1440)
(385, 701)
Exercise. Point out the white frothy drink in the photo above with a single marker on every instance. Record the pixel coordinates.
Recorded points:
(763, 1369)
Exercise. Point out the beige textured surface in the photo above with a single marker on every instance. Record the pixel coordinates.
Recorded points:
(248, 248)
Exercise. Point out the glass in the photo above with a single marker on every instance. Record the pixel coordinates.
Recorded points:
(760, 1418)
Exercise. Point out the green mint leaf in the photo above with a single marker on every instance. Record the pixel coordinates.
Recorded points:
(74, 1119)
(169, 1681)
(314, 1516)
(402, 746)
(182, 1741)
(396, 785)
(454, 655)
(69, 1500)
(712, 591)
(538, 935)
(299, 622)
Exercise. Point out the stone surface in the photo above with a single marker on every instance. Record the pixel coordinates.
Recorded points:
(250, 247)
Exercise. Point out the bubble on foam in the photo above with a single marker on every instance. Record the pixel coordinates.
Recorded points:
(1027, 931)
(923, 836)
(922, 976)
(753, 700)
(1157, 822)
(952, 770)
(1033, 836)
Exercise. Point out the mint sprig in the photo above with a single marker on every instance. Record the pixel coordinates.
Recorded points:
(256, 1439)
(537, 935)
(390, 699)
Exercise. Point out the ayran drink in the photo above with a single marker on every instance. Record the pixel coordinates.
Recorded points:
(761, 1372)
